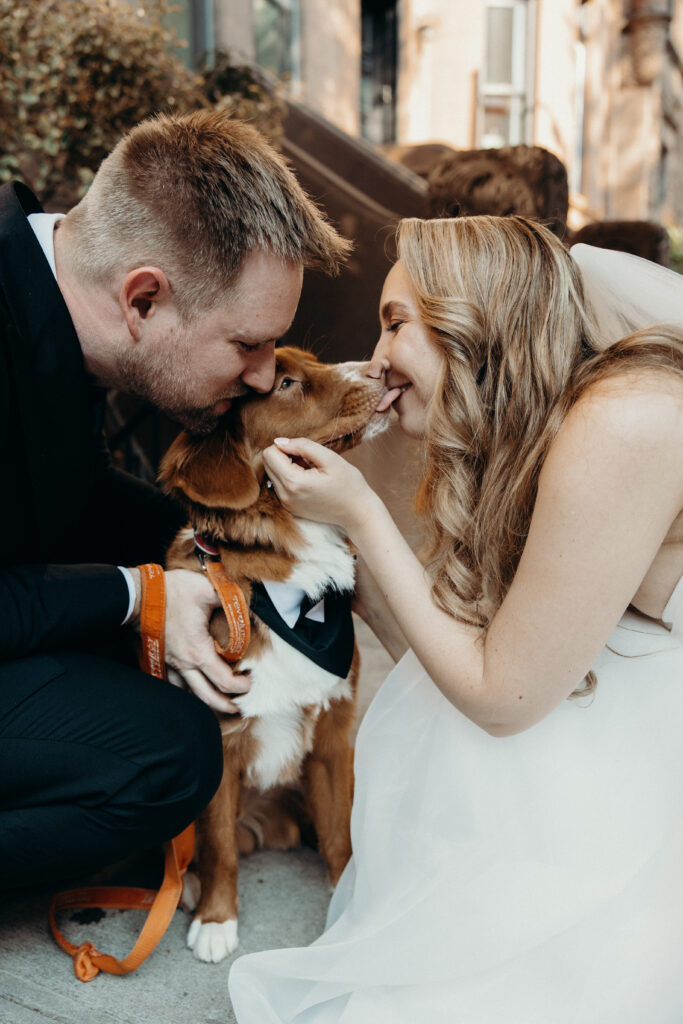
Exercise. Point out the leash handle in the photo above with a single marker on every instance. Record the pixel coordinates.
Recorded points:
(160, 904)
(152, 620)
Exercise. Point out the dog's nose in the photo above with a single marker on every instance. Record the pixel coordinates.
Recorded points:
(378, 367)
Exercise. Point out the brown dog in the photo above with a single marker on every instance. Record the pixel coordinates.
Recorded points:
(293, 730)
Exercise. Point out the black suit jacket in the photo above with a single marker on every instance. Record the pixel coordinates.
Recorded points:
(67, 517)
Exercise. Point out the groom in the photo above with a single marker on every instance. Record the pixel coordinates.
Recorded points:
(171, 280)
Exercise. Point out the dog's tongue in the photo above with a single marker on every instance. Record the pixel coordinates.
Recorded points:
(387, 399)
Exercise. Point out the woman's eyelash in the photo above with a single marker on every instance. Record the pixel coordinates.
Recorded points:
(395, 325)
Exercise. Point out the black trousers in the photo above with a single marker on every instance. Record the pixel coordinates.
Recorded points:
(97, 761)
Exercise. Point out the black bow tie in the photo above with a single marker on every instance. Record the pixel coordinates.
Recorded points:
(328, 644)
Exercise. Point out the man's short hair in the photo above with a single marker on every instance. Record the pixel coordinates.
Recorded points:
(194, 194)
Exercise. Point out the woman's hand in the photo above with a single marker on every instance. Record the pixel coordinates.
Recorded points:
(328, 490)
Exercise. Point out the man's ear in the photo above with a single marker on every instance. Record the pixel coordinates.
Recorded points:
(211, 471)
(141, 292)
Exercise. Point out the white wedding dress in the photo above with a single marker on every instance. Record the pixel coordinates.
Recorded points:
(536, 879)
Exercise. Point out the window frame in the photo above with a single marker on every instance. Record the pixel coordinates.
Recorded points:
(517, 95)
(293, 9)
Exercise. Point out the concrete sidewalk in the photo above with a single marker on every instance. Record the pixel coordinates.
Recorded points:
(283, 901)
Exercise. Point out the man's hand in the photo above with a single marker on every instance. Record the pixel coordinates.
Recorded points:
(190, 650)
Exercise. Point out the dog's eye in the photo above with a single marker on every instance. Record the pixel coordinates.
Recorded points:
(287, 382)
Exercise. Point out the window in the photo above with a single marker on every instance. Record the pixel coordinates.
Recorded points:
(378, 71)
(192, 22)
(576, 166)
(506, 82)
(276, 36)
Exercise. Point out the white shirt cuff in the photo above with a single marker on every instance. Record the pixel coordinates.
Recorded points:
(130, 583)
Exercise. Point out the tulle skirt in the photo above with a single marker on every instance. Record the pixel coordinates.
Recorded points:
(536, 879)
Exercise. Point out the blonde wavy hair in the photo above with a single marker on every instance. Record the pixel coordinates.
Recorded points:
(504, 302)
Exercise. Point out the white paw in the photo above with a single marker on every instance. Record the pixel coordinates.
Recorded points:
(192, 890)
(212, 942)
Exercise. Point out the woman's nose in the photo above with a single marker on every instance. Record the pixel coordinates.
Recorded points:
(378, 366)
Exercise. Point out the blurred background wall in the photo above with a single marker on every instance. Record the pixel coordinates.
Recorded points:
(598, 83)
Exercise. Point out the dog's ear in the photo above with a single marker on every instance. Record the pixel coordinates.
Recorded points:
(213, 471)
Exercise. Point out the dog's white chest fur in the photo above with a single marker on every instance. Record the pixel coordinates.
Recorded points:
(285, 682)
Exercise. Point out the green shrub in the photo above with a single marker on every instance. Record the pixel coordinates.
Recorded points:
(76, 74)
(246, 92)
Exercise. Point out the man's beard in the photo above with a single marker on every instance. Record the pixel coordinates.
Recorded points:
(153, 380)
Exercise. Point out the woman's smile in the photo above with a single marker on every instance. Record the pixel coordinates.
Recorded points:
(393, 396)
(415, 362)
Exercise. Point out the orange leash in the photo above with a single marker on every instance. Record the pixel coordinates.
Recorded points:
(236, 611)
(161, 904)
(152, 621)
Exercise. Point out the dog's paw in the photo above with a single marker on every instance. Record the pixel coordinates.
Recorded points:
(192, 890)
(211, 941)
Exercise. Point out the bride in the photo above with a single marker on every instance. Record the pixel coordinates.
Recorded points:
(518, 818)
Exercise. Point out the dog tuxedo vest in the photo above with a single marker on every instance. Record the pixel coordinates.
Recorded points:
(322, 630)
